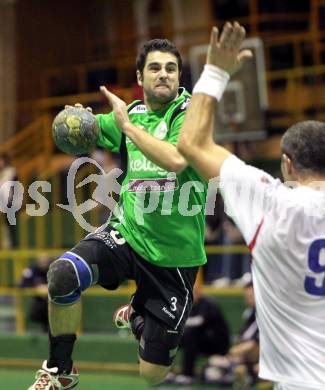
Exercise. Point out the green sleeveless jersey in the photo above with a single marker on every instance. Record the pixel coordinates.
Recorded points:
(162, 216)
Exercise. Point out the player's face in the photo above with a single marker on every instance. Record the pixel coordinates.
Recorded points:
(160, 79)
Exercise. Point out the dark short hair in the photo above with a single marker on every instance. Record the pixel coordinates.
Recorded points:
(304, 144)
(163, 45)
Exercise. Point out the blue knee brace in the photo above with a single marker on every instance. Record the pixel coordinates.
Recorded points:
(68, 276)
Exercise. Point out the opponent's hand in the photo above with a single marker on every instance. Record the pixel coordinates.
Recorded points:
(79, 105)
(224, 51)
(118, 106)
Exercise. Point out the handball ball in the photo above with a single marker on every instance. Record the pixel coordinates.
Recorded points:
(75, 130)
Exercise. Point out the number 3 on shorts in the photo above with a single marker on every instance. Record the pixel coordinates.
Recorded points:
(314, 264)
(173, 304)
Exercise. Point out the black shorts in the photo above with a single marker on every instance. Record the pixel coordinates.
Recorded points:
(163, 295)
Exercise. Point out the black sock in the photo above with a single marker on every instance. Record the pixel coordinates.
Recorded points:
(61, 348)
(137, 324)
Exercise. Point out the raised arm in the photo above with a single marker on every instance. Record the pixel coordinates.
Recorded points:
(159, 152)
(196, 142)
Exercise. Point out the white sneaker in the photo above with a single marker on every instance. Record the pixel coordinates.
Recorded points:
(121, 317)
(49, 379)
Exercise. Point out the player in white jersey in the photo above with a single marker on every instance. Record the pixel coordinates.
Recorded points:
(283, 226)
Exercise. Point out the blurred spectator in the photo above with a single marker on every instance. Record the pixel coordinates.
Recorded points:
(214, 236)
(240, 364)
(36, 277)
(105, 159)
(7, 173)
(206, 333)
(235, 269)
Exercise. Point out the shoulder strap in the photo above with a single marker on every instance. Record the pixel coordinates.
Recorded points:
(134, 104)
(181, 107)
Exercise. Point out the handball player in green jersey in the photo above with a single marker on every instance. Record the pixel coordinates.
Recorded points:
(160, 247)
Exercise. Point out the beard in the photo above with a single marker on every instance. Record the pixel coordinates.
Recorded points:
(161, 97)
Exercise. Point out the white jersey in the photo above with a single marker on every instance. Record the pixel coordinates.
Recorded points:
(285, 230)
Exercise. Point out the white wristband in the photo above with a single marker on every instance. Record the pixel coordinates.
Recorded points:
(213, 82)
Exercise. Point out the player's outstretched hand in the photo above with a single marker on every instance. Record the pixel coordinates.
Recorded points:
(224, 50)
(118, 106)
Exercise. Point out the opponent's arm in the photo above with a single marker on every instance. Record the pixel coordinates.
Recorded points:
(196, 142)
(159, 152)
